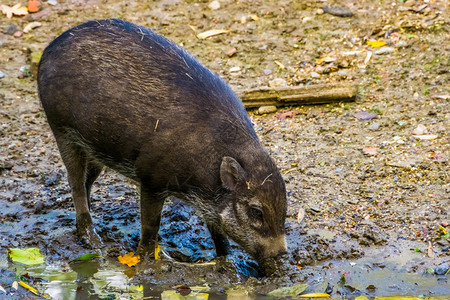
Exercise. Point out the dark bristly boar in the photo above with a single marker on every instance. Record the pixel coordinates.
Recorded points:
(118, 95)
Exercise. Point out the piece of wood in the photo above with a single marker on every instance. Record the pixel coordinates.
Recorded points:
(305, 95)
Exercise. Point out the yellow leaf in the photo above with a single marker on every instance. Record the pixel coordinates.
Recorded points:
(129, 259)
(280, 65)
(314, 295)
(362, 297)
(212, 32)
(30, 288)
(375, 44)
(157, 252)
(443, 230)
(254, 17)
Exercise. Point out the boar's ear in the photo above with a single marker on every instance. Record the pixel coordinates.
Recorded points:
(231, 173)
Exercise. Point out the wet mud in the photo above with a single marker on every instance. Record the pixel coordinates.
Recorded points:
(358, 224)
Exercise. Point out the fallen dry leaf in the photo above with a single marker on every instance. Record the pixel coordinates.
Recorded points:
(212, 32)
(286, 114)
(370, 151)
(430, 251)
(129, 259)
(34, 5)
(17, 10)
(31, 26)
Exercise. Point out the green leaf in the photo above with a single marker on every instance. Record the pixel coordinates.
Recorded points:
(289, 291)
(27, 256)
(85, 257)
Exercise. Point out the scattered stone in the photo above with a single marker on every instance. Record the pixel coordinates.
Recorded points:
(337, 11)
(442, 269)
(365, 116)
(267, 110)
(38, 15)
(314, 75)
(235, 69)
(425, 136)
(373, 234)
(420, 130)
(214, 5)
(11, 29)
(267, 71)
(384, 50)
(231, 52)
(52, 2)
(374, 126)
(24, 71)
(17, 34)
(2, 75)
(278, 82)
(343, 73)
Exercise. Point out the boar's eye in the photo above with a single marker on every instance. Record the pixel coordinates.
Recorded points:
(255, 213)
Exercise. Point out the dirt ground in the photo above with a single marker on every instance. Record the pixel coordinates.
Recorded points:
(368, 199)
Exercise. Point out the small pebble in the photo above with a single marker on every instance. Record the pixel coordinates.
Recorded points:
(235, 69)
(337, 11)
(11, 29)
(374, 126)
(278, 82)
(343, 73)
(442, 268)
(315, 75)
(2, 75)
(421, 129)
(214, 5)
(267, 109)
(384, 50)
(267, 71)
(365, 116)
(52, 2)
(17, 34)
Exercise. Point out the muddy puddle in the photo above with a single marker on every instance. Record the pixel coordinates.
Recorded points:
(325, 262)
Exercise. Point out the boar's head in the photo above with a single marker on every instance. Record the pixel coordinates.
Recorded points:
(255, 207)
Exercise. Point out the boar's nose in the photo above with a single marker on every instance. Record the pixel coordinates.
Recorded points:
(275, 246)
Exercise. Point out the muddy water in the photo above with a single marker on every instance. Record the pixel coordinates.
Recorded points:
(188, 259)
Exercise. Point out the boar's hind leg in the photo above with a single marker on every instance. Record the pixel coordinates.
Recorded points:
(75, 160)
(220, 242)
(151, 207)
(93, 170)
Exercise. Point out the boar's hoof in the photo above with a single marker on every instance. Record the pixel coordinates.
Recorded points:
(90, 237)
(147, 251)
(269, 266)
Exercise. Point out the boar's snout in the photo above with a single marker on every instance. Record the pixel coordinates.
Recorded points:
(272, 247)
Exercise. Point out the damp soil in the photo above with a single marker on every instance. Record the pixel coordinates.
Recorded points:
(368, 199)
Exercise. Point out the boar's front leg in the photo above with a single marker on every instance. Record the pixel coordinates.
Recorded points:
(76, 163)
(220, 241)
(151, 207)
